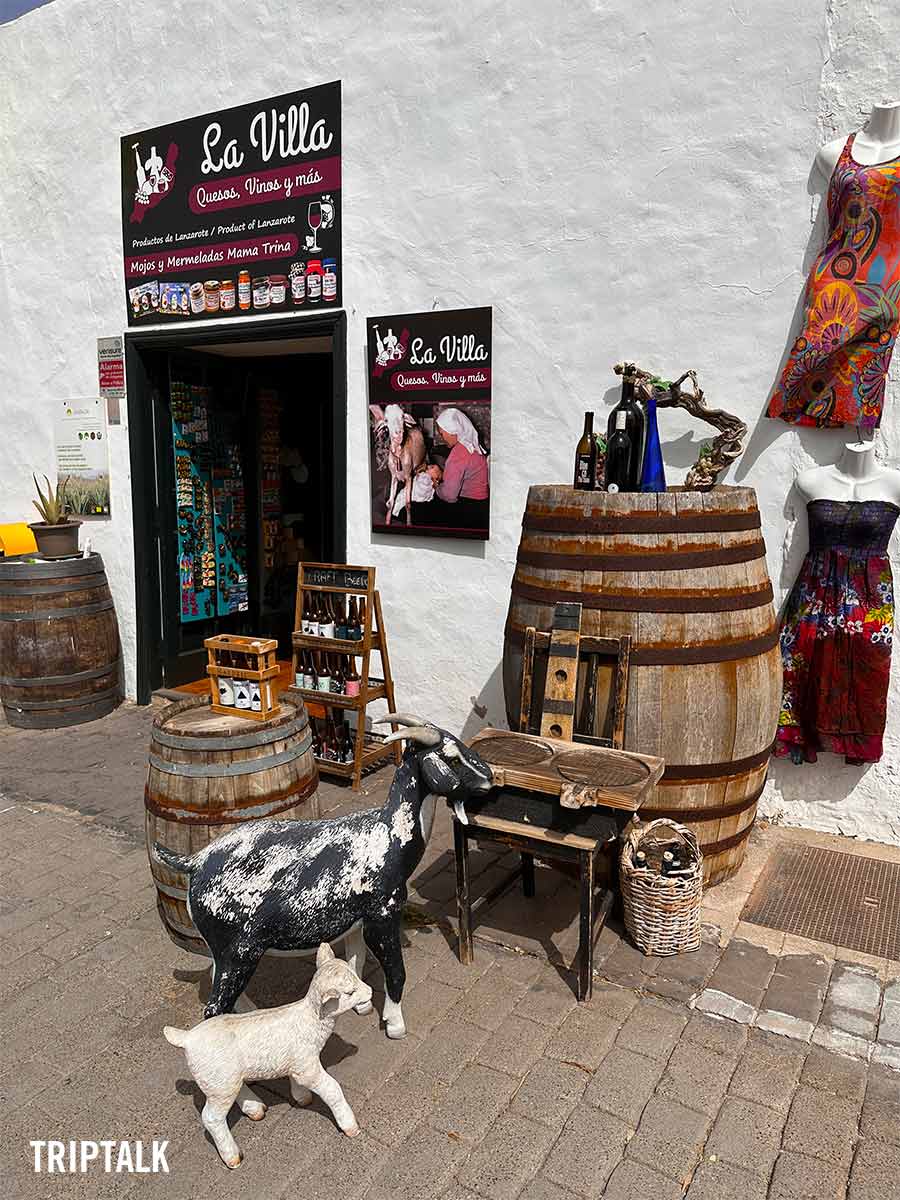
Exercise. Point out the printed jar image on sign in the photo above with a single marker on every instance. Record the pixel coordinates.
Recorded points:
(684, 574)
(209, 773)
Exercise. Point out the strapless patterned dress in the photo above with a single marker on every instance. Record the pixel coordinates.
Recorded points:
(836, 635)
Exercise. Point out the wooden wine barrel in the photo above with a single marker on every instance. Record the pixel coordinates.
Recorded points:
(59, 642)
(209, 773)
(684, 573)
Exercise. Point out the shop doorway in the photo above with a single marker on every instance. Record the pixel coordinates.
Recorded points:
(238, 470)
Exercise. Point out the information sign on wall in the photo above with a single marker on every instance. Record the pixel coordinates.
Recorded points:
(82, 455)
(430, 423)
(235, 213)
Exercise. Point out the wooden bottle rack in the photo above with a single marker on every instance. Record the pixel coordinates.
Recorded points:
(345, 580)
(262, 651)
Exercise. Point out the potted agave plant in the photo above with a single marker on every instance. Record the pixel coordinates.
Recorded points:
(56, 533)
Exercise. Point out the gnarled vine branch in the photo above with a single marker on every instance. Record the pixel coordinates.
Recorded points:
(714, 456)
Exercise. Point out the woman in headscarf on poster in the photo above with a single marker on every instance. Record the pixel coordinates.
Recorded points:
(462, 487)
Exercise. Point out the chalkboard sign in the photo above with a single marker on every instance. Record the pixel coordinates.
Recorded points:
(346, 579)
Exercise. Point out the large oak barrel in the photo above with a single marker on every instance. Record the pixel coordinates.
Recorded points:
(684, 573)
(209, 773)
(59, 642)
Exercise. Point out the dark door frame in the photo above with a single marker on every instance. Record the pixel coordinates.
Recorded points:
(145, 426)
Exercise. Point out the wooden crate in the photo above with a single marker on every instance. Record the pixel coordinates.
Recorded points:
(261, 652)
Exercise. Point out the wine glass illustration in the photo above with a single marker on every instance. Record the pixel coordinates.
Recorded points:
(314, 218)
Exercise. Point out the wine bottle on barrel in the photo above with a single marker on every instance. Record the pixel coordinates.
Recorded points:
(586, 457)
(619, 458)
(635, 427)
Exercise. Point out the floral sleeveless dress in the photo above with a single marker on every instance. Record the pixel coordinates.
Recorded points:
(836, 370)
(836, 634)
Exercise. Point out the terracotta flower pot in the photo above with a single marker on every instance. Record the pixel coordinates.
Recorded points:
(56, 541)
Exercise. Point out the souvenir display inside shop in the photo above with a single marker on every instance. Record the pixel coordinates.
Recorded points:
(837, 624)
(210, 499)
(837, 367)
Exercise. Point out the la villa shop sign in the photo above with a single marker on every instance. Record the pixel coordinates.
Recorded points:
(236, 213)
(430, 423)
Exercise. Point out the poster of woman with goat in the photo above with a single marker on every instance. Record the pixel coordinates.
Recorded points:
(430, 423)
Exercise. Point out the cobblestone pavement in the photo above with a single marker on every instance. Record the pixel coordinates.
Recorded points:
(714, 1074)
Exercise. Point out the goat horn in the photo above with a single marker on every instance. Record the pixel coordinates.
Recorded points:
(421, 734)
(399, 719)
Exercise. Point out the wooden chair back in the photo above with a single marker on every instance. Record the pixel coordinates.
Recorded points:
(561, 714)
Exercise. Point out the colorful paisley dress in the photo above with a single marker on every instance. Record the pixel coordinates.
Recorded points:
(836, 634)
(836, 370)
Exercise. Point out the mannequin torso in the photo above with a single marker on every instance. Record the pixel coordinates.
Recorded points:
(878, 142)
(855, 476)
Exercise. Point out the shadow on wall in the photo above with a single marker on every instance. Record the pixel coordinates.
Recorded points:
(807, 795)
(488, 706)
(463, 547)
(767, 431)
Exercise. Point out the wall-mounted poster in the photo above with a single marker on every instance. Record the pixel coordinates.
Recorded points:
(82, 455)
(235, 213)
(430, 423)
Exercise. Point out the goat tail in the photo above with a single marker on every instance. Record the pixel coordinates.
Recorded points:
(176, 1037)
(176, 862)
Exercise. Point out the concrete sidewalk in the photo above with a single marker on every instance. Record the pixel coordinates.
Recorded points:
(712, 1074)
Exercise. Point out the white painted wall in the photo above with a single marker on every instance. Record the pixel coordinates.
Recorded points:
(616, 179)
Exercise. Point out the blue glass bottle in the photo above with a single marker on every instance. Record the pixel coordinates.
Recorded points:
(653, 474)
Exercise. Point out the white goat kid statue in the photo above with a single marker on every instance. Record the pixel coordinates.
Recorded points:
(225, 1052)
(406, 452)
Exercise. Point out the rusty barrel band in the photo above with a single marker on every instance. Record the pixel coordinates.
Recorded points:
(54, 614)
(19, 567)
(696, 815)
(183, 815)
(658, 560)
(65, 702)
(561, 707)
(246, 741)
(724, 844)
(713, 522)
(54, 587)
(649, 601)
(711, 652)
(677, 773)
(226, 770)
(20, 681)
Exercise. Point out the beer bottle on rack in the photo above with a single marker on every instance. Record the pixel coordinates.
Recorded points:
(586, 457)
(346, 743)
(338, 676)
(312, 621)
(325, 751)
(225, 682)
(352, 619)
(326, 622)
(312, 674)
(351, 682)
(635, 426)
(331, 735)
(241, 684)
(340, 619)
(316, 738)
(324, 674)
(361, 623)
(304, 612)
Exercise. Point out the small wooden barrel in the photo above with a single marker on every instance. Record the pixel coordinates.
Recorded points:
(59, 642)
(209, 773)
(684, 573)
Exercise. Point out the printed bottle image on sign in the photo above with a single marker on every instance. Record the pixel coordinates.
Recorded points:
(430, 423)
(235, 213)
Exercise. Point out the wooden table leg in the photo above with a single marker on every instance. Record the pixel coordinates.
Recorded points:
(463, 896)
(586, 927)
(527, 874)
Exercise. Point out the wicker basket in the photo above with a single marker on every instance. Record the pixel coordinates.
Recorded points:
(662, 912)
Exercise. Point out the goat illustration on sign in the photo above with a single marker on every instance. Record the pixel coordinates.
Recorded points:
(290, 885)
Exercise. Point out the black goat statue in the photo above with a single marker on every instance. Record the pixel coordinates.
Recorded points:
(290, 885)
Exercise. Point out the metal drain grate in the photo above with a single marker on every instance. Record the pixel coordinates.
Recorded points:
(844, 899)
